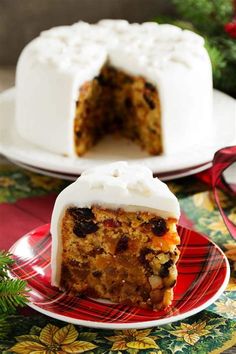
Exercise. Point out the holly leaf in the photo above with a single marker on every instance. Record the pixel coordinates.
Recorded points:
(216, 322)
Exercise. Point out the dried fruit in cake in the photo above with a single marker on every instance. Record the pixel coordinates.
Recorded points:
(114, 237)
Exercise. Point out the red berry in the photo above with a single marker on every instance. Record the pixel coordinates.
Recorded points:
(230, 28)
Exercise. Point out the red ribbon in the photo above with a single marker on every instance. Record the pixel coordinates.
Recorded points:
(222, 160)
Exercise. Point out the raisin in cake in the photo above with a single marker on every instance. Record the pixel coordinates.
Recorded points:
(147, 82)
(114, 237)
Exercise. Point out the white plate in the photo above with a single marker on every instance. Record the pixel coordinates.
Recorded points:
(163, 176)
(171, 166)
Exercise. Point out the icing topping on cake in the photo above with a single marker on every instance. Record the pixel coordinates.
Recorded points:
(152, 43)
(119, 185)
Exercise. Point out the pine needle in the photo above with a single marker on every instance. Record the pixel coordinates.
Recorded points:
(13, 293)
(208, 16)
(5, 262)
(5, 327)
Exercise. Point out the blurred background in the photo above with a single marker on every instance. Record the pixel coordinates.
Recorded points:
(22, 20)
(215, 20)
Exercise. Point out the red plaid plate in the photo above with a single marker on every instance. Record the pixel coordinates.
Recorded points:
(203, 275)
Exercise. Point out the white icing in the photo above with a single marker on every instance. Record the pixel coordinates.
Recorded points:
(117, 185)
(53, 67)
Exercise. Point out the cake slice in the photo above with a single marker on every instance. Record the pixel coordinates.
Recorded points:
(114, 237)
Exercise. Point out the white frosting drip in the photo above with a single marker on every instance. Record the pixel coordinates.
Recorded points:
(117, 185)
(52, 68)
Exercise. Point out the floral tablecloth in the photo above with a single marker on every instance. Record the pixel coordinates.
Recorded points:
(26, 201)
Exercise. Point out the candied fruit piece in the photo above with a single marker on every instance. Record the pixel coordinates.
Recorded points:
(149, 101)
(97, 274)
(78, 134)
(82, 228)
(143, 260)
(95, 251)
(156, 295)
(122, 244)
(102, 80)
(81, 213)
(164, 271)
(111, 223)
(150, 86)
(73, 263)
(128, 102)
(159, 227)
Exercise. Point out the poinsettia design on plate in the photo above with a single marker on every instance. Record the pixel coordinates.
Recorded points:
(231, 285)
(231, 252)
(191, 333)
(133, 339)
(227, 308)
(217, 226)
(204, 201)
(51, 340)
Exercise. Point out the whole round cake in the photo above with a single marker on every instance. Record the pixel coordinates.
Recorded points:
(114, 237)
(150, 83)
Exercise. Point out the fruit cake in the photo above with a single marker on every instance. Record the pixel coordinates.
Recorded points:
(150, 83)
(114, 237)
(115, 102)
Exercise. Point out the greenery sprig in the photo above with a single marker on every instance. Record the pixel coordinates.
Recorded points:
(13, 292)
(215, 21)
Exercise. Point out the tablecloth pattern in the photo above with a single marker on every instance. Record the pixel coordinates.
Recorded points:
(26, 201)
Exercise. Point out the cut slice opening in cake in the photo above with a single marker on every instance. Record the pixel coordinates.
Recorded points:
(125, 257)
(116, 102)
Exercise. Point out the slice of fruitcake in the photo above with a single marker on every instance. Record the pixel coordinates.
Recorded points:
(114, 237)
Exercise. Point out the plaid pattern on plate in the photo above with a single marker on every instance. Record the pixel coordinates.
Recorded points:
(203, 275)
